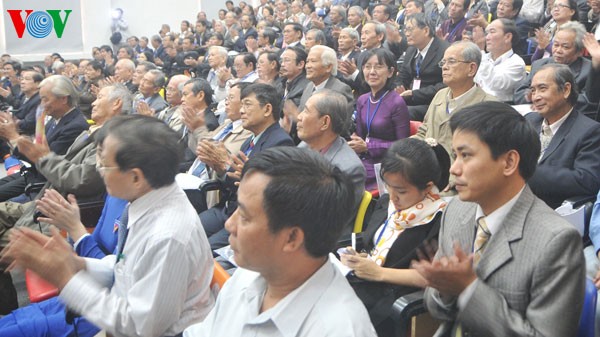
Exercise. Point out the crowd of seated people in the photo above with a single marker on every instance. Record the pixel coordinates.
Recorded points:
(363, 85)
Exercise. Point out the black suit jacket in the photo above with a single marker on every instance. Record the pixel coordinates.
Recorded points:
(430, 73)
(240, 43)
(570, 166)
(26, 115)
(586, 78)
(378, 297)
(273, 136)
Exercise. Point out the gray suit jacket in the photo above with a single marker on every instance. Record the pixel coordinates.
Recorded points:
(332, 84)
(343, 157)
(531, 276)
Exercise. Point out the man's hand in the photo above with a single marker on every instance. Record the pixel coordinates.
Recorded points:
(593, 47)
(32, 150)
(144, 109)
(213, 154)
(478, 20)
(4, 92)
(8, 127)
(347, 67)
(61, 213)
(223, 75)
(50, 257)
(450, 275)
(543, 38)
(192, 119)
(237, 164)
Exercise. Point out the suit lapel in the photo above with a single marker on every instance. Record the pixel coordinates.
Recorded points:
(560, 135)
(498, 251)
(464, 231)
(431, 53)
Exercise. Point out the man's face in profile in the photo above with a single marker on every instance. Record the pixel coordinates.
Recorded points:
(255, 246)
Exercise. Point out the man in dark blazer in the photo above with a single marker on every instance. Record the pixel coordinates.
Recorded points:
(507, 264)
(292, 62)
(420, 76)
(569, 165)
(567, 49)
(25, 115)
(261, 106)
(246, 31)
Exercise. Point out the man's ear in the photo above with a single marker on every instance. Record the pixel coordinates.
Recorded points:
(294, 237)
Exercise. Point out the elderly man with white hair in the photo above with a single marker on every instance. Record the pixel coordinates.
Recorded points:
(124, 69)
(321, 69)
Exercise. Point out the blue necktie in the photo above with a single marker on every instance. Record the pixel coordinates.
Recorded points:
(50, 128)
(224, 133)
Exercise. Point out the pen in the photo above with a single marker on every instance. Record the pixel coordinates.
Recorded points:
(353, 236)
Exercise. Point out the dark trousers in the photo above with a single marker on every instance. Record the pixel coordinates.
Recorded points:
(8, 294)
(12, 186)
(213, 221)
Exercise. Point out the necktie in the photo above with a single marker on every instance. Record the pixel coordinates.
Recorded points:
(50, 127)
(481, 239)
(122, 233)
(250, 147)
(418, 63)
(199, 168)
(224, 133)
(545, 139)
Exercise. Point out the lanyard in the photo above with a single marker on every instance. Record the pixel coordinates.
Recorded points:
(454, 31)
(384, 227)
(369, 117)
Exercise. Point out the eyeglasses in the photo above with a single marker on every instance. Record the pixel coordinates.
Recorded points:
(102, 169)
(560, 6)
(451, 62)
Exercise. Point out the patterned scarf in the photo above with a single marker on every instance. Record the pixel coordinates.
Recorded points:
(419, 214)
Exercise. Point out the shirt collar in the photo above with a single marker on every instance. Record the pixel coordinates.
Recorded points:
(148, 201)
(494, 220)
(556, 125)
(288, 315)
(425, 50)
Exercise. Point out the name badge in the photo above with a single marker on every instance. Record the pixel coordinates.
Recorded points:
(416, 84)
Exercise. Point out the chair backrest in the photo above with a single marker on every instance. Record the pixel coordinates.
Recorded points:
(588, 314)
(220, 276)
(362, 211)
(414, 127)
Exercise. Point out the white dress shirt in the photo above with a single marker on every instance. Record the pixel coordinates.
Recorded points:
(161, 284)
(324, 305)
(500, 77)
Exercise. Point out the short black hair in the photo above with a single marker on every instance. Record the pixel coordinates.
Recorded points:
(509, 26)
(146, 143)
(107, 49)
(561, 75)
(422, 20)
(265, 94)
(304, 191)
(301, 54)
(503, 129)
(200, 84)
(418, 162)
(248, 58)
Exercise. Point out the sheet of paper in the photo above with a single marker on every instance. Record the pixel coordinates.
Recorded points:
(574, 216)
(341, 267)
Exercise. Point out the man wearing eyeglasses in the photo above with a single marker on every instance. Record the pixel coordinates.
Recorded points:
(459, 66)
(420, 78)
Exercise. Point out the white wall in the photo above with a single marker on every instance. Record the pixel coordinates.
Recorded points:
(144, 18)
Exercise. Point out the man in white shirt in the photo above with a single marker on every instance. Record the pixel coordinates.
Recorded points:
(157, 283)
(501, 69)
(286, 285)
(507, 264)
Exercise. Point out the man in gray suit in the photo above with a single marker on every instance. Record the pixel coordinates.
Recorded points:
(325, 116)
(321, 69)
(507, 264)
